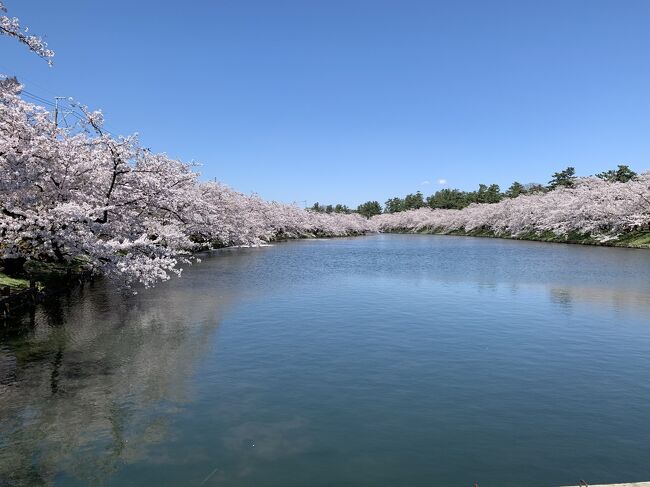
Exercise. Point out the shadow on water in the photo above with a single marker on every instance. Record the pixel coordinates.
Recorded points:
(90, 380)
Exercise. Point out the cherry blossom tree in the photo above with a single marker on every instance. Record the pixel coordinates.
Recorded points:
(590, 206)
(10, 26)
(79, 194)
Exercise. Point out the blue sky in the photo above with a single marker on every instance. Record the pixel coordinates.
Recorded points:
(345, 101)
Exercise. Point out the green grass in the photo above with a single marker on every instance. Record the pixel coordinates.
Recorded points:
(14, 283)
(44, 273)
(634, 239)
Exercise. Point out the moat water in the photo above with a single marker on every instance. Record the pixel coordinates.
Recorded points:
(387, 360)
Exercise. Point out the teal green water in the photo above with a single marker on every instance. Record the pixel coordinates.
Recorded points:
(378, 361)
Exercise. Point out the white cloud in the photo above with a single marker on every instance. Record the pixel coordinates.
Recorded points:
(424, 183)
(442, 182)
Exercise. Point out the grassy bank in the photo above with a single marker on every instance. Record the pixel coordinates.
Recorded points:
(34, 281)
(14, 283)
(637, 240)
(15, 294)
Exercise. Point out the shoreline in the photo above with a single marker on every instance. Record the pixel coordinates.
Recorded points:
(42, 280)
(18, 293)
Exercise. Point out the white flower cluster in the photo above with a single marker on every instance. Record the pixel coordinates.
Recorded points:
(10, 26)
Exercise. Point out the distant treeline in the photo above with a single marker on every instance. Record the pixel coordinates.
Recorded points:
(457, 199)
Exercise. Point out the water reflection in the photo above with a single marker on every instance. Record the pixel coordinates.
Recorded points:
(91, 384)
(618, 299)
